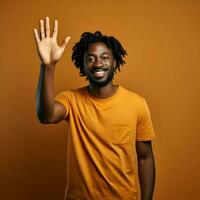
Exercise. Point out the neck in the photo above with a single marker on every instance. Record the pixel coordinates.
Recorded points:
(103, 92)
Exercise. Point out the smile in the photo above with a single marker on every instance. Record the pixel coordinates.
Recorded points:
(99, 73)
(98, 70)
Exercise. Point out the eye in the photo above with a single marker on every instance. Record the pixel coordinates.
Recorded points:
(90, 59)
(105, 57)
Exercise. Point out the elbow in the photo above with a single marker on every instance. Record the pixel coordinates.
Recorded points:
(42, 119)
(145, 156)
(141, 160)
(48, 122)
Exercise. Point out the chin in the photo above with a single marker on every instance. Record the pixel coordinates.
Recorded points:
(100, 82)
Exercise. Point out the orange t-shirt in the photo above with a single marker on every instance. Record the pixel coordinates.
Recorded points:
(101, 143)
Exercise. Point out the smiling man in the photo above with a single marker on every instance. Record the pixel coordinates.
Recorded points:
(98, 64)
(107, 123)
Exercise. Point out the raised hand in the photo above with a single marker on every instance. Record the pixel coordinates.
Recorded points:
(48, 49)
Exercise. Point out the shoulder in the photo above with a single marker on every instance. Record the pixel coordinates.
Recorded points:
(70, 94)
(132, 96)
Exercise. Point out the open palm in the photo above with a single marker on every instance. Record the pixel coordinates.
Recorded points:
(48, 49)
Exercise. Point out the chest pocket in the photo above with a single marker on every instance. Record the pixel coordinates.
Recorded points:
(122, 134)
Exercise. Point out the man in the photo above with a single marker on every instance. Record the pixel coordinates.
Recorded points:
(107, 123)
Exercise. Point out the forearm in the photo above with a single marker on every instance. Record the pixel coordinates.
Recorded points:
(45, 94)
(146, 172)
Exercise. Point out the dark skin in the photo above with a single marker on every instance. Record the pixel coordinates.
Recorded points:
(146, 169)
(98, 56)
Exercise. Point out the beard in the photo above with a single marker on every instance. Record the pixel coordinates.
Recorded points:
(101, 82)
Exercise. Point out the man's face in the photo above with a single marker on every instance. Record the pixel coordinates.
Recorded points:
(99, 64)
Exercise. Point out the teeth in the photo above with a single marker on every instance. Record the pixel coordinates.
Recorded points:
(99, 73)
(99, 70)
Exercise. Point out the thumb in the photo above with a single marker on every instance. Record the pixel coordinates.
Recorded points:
(65, 41)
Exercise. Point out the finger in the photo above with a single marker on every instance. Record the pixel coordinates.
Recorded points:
(66, 40)
(37, 38)
(55, 31)
(47, 27)
(42, 29)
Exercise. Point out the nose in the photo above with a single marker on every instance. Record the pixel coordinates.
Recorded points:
(98, 63)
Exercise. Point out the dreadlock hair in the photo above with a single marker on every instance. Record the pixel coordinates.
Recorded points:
(87, 38)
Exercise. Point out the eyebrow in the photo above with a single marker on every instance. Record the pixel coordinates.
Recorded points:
(91, 54)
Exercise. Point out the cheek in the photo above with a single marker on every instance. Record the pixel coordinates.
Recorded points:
(87, 68)
(85, 65)
(108, 63)
(112, 62)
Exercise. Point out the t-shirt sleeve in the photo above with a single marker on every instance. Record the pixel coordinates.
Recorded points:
(145, 130)
(63, 98)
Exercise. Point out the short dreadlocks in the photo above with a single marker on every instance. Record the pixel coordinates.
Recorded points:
(87, 38)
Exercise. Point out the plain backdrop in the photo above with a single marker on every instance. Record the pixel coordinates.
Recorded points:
(162, 39)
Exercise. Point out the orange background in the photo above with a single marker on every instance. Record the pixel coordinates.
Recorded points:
(163, 43)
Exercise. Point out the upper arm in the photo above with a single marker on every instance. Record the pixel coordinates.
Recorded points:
(144, 149)
(61, 107)
(59, 113)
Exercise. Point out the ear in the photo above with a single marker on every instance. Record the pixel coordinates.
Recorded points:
(114, 64)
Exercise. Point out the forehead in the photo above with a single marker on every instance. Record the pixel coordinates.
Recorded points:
(98, 48)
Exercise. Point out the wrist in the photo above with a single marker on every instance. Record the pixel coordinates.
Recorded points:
(50, 65)
(48, 69)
